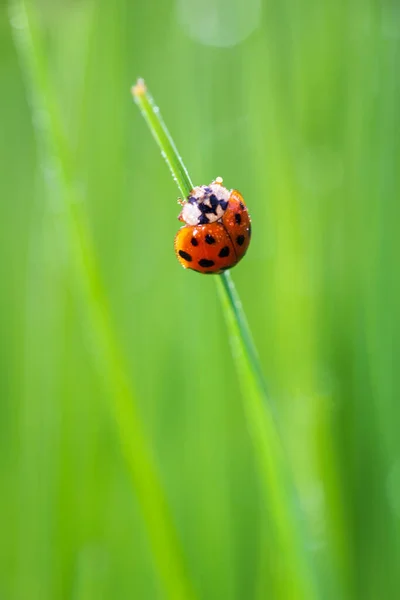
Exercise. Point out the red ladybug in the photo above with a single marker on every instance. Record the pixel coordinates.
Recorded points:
(217, 229)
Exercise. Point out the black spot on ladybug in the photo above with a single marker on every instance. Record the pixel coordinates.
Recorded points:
(238, 219)
(185, 255)
(241, 205)
(224, 252)
(240, 240)
(214, 201)
(209, 239)
(194, 242)
(249, 230)
(210, 207)
(204, 262)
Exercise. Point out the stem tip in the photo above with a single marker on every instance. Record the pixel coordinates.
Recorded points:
(139, 89)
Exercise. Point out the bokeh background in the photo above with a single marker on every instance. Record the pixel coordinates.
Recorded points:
(296, 104)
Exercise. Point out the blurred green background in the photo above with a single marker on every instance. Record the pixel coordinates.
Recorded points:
(296, 104)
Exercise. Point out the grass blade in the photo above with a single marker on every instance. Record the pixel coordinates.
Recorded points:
(295, 578)
(161, 134)
(55, 156)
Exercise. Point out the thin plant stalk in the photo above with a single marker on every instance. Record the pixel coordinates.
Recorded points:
(180, 174)
(69, 214)
(274, 471)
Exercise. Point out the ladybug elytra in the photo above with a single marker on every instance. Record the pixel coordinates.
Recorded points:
(217, 229)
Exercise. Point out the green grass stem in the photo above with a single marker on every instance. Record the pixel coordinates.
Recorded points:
(273, 469)
(55, 156)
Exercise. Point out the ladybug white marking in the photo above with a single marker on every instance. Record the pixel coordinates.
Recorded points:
(206, 204)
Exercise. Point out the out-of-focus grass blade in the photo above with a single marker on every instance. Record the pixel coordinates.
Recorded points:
(295, 573)
(55, 158)
(276, 485)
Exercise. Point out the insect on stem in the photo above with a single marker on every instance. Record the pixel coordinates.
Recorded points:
(274, 472)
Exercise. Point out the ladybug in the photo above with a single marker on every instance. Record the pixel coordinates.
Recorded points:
(217, 229)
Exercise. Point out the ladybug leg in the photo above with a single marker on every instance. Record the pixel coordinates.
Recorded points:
(182, 203)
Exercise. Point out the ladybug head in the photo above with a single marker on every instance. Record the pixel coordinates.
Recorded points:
(206, 204)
